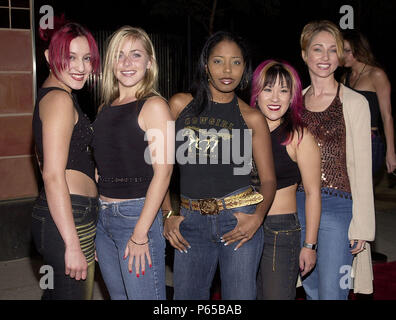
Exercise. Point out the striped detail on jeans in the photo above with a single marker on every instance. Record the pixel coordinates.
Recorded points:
(86, 234)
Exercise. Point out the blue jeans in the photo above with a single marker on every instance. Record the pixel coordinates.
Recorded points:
(330, 279)
(117, 221)
(194, 270)
(378, 152)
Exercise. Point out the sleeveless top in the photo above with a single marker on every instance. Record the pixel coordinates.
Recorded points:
(372, 99)
(119, 147)
(328, 128)
(286, 170)
(214, 151)
(80, 154)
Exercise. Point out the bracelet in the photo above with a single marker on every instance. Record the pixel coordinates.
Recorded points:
(169, 214)
(138, 244)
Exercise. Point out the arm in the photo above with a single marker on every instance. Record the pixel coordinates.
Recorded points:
(262, 154)
(58, 118)
(308, 161)
(383, 89)
(161, 145)
(171, 225)
(358, 153)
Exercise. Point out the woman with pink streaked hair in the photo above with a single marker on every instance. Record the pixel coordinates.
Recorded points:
(65, 213)
(276, 90)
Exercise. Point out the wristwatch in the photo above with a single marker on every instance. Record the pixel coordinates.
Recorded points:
(312, 246)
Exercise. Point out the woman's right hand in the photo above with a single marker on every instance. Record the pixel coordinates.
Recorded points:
(173, 235)
(75, 263)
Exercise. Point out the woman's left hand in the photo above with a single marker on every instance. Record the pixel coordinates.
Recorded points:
(357, 246)
(307, 260)
(137, 253)
(245, 229)
(390, 162)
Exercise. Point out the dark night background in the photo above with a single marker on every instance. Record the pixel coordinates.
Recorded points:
(271, 27)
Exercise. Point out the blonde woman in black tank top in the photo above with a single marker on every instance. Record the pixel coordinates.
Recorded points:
(133, 148)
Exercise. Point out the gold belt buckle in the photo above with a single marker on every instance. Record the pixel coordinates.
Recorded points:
(208, 207)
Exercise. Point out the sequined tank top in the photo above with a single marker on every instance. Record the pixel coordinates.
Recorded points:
(328, 127)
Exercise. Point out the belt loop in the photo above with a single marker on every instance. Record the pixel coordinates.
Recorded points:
(224, 204)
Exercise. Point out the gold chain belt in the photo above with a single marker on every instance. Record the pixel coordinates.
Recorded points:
(214, 206)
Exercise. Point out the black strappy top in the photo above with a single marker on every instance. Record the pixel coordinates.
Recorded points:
(286, 170)
(80, 154)
(372, 99)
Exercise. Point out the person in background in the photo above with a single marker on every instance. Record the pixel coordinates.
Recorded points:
(367, 78)
(221, 214)
(276, 91)
(65, 213)
(339, 119)
(132, 144)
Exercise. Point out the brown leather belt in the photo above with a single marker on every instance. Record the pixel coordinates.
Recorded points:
(214, 206)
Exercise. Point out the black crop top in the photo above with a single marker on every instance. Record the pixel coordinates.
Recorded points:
(80, 154)
(286, 170)
(205, 171)
(119, 149)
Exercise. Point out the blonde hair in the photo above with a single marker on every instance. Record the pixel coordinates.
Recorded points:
(148, 85)
(313, 28)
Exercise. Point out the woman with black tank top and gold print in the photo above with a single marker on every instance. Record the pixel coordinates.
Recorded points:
(371, 81)
(221, 214)
(131, 145)
(65, 214)
(339, 119)
(276, 90)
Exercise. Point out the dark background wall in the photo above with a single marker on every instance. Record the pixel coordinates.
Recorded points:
(272, 27)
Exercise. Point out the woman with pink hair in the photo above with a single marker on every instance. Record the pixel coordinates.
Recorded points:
(276, 90)
(65, 213)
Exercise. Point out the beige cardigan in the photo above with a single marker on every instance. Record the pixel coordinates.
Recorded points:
(358, 157)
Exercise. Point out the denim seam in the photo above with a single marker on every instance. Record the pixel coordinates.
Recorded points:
(154, 270)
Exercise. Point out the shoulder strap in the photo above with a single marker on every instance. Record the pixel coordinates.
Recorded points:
(71, 95)
(141, 102)
(56, 88)
(338, 89)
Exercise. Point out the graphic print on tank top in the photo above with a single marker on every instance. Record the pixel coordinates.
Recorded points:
(213, 150)
(219, 135)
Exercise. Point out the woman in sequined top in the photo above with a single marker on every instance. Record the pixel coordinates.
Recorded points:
(339, 119)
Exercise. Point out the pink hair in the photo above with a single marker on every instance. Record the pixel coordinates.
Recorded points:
(59, 47)
(296, 105)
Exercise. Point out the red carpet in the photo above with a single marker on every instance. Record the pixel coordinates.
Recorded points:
(384, 285)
